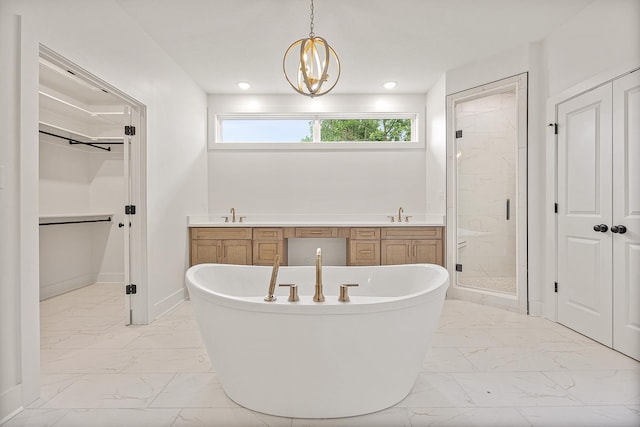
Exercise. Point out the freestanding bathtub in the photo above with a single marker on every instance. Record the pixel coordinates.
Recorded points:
(317, 360)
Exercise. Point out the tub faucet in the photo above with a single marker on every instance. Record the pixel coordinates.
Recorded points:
(274, 276)
(318, 296)
(233, 214)
(399, 214)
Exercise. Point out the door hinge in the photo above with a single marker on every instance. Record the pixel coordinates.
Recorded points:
(555, 128)
(555, 287)
(129, 130)
(131, 289)
(458, 134)
(555, 208)
(130, 210)
(458, 267)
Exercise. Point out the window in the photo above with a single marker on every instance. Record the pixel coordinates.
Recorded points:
(316, 130)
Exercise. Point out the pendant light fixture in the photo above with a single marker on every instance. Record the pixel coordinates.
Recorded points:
(314, 64)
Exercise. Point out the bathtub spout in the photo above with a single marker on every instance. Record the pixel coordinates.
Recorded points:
(274, 277)
(318, 296)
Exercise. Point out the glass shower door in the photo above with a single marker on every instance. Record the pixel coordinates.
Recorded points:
(486, 179)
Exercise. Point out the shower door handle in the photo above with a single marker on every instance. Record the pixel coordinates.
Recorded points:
(508, 209)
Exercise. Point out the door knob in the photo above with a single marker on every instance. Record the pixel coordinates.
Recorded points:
(601, 228)
(621, 229)
(120, 225)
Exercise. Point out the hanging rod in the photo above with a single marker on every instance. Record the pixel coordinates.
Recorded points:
(92, 144)
(76, 222)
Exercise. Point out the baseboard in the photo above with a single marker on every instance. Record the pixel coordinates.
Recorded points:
(58, 288)
(110, 278)
(169, 303)
(10, 403)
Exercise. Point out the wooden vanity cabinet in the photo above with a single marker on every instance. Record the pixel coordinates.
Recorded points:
(363, 246)
(267, 243)
(411, 245)
(221, 245)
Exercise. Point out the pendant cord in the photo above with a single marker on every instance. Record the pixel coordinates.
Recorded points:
(311, 33)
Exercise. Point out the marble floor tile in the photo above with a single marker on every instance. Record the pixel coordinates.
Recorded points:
(396, 417)
(168, 360)
(436, 390)
(513, 389)
(110, 391)
(468, 417)
(36, 418)
(601, 387)
(193, 390)
(486, 367)
(118, 418)
(582, 416)
(227, 417)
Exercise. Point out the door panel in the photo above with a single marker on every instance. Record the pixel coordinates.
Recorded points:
(584, 200)
(428, 251)
(626, 212)
(395, 252)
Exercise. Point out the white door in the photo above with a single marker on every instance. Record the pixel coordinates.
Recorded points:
(626, 213)
(584, 214)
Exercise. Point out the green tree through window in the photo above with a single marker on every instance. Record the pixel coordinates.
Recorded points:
(381, 130)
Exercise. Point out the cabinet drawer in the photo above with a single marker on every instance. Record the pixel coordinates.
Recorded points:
(220, 233)
(268, 234)
(317, 232)
(365, 233)
(412, 233)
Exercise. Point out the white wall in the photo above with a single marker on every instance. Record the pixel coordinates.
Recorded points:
(101, 38)
(318, 181)
(436, 147)
(604, 36)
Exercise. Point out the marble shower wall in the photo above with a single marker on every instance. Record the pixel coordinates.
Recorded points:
(486, 176)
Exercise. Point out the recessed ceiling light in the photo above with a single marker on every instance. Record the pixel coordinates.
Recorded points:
(389, 85)
(244, 85)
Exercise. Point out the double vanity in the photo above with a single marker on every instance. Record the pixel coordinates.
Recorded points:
(368, 241)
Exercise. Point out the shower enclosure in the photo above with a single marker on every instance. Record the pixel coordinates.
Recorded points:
(487, 151)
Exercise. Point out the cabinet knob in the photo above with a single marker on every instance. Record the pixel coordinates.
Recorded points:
(620, 229)
(601, 228)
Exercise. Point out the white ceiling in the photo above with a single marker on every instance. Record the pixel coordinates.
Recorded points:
(221, 42)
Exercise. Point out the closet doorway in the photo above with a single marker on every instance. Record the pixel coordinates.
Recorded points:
(486, 218)
(91, 188)
(598, 213)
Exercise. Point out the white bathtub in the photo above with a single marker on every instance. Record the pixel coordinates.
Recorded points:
(317, 360)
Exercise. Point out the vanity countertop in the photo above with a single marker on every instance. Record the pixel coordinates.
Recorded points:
(288, 220)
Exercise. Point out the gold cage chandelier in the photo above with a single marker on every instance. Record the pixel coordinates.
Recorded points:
(311, 64)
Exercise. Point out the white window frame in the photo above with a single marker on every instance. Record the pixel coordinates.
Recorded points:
(215, 135)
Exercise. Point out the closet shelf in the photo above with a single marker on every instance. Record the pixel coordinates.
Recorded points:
(59, 219)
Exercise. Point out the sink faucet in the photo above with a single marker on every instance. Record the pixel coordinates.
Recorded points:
(400, 214)
(233, 214)
(318, 296)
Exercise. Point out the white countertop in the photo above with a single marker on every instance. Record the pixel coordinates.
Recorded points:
(289, 220)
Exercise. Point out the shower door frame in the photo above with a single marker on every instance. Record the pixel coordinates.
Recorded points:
(519, 301)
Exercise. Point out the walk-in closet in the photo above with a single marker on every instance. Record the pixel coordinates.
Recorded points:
(82, 182)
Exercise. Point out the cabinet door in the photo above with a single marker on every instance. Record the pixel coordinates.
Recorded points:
(236, 252)
(395, 252)
(264, 252)
(364, 252)
(205, 251)
(426, 251)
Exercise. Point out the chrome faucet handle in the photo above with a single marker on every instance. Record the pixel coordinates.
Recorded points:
(226, 218)
(242, 218)
(406, 218)
(293, 291)
(392, 218)
(344, 292)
